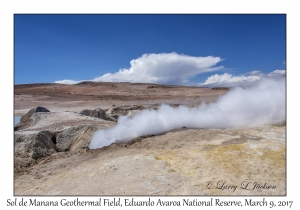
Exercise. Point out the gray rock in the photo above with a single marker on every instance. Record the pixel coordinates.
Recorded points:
(115, 116)
(119, 111)
(25, 118)
(43, 145)
(125, 110)
(41, 109)
(99, 113)
(66, 137)
(30, 148)
(86, 112)
(75, 138)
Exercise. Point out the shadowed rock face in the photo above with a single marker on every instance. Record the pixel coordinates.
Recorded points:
(41, 109)
(42, 145)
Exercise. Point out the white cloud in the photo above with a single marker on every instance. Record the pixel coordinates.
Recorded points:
(254, 72)
(229, 80)
(167, 68)
(162, 68)
(277, 73)
(178, 69)
(67, 81)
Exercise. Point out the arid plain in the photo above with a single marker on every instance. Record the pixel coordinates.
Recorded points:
(51, 154)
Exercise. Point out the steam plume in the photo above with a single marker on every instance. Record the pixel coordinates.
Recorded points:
(259, 105)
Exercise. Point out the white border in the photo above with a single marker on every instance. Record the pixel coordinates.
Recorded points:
(9, 8)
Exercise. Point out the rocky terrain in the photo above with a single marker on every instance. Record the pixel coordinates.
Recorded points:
(105, 95)
(51, 155)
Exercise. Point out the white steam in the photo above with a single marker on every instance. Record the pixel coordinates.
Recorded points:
(255, 106)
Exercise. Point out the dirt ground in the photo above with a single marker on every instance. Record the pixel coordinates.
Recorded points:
(180, 162)
(90, 95)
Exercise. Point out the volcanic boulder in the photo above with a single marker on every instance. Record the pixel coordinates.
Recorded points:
(27, 116)
(43, 145)
(99, 113)
(75, 138)
(30, 148)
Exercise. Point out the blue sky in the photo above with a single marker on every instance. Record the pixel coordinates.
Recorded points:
(49, 48)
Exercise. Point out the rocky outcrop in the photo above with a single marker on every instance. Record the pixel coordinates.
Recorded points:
(36, 145)
(43, 145)
(125, 110)
(75, 138)
(45, 134)
(118, 111)
(160, 86)
(32, 148)
(99, 113)
(25, 118)
(221, 88)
